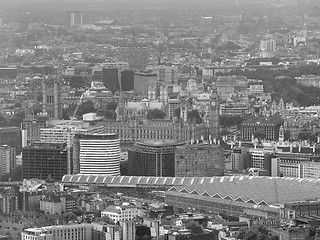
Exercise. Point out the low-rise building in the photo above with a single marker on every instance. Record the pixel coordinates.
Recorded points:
(70, 232)
(119, 214)
(51, 205)
(309, 80)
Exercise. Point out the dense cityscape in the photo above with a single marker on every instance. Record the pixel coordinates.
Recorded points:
(163, 120)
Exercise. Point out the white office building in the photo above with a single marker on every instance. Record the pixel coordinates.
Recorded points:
(99, 154)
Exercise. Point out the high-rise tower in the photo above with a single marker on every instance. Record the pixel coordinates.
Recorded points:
(206, 26)
(74, 18)
(52, 95)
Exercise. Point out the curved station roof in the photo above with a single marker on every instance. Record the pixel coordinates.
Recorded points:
(248, 189)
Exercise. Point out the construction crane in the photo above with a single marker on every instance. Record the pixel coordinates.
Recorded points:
(75, 111)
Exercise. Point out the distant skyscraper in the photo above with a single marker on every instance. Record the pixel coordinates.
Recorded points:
(7, 159)
(110, 78)
(74, 18)
(305, 30)
(267, 48)
(127, 80)
(142, 81)
(268, 45)
(206, 26)
(166, 74)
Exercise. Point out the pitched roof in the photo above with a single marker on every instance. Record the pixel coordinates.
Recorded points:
(257, 190)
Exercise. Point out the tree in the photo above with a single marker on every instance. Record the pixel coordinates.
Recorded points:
(112, 106)
(107, 219)
(191, 223)
(194, 115)
(17, 119)
(307, 135)
(224, 132)
(241, 233)
(256, 232)
(86, 107)
(229, 121)
(69, 216)
(286, 134)
(156, 114)
(65, 115)
(3, 121)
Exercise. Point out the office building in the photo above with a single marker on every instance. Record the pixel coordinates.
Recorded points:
(32, 124)
(256, 90)
(9, 199)
(110, 78)
(261, 160)
(52, 97)
(233, 108)
(267, 48)
(103, 232)
(44, 160)
(120, 65)
(127, 80)
(133, 131)
(142, 81)
(153, 158)
(98, 153)
(240, 159)
(173, 105)
(266, 127)
(199, 160)
(74, 18)
(268, 45)
(65, 133)
(297, 165)
(11, 136)
(7, 159)
(166, 74)
(70, 232)
(309, 81)
(9, 72)
(206, 26)
(129, 230)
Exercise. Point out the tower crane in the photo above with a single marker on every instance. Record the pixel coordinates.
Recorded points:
(75, 111)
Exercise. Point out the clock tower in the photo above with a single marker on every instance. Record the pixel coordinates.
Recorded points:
(214, 114)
